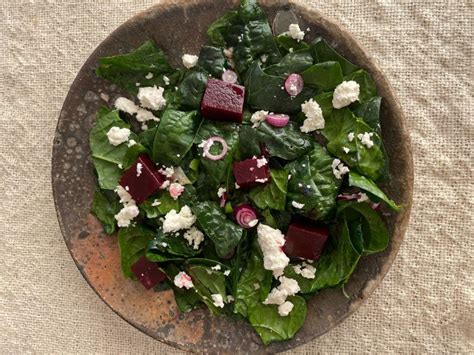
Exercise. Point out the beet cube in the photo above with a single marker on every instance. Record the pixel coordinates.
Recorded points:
(305, 240)
(223, 101)
(148, 273)
(142, 179)
(251, 172)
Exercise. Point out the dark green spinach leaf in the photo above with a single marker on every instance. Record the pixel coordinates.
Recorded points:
(323, 76)
(132, 243)
(105, 207)
(191, 89)
(212, 60)
(173, 244)
(213, 222)
(368, 185)
(273, 327)
(323, 52)
(287, 44)
(294, 62)
(208, 282)
(175, 136)
(272, 195)
(367, 86)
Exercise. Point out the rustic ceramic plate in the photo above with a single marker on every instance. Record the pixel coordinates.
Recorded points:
(180, 27)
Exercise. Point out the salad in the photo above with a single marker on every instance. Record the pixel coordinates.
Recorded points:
(245, 181)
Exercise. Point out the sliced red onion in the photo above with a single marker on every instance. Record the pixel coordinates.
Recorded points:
(223, 199)
(277, 120)
(229, 76)
(294, 84)
(208, 144)
(348, 197)
(245, 215)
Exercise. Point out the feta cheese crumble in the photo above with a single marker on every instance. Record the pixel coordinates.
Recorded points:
(125, 198)
(125, 105)
(217, 300)
(346, 150)
(285, 308)
(305, 270)
(351, 136)
(339, 169)
(156, 203)
(152, 97)
(139, 169)
(165, 185)
(258, 117)
(345, 93)
(294, 31)
(131, 143)
(221, 191)
(194, 237)
(253, 223)
(216, 267)
(117, 135)
(271, 242)
(126, 215)
(279, 294)
(167, 171)
(166, 80)
(177, 221)
(366, 139)
(362, 197)
(190, 60)
(297, 204)
(261, 162)
(149, 76)
(145, 116)
(176, 189)
(314, 116)
(262, 181)
(183, 280)
(227, 273)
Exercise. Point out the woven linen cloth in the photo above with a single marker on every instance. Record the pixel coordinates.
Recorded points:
(425, 303)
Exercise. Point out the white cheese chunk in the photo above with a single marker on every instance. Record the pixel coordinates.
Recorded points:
(149, 76)
(366, 139)
(190, 60)
(258, 117)
(126, 215)
(297, 204)
(221, 191)
(194, 237)
(285, 308)
(278, 295)
(217, 300)
(295, 32)
(183, 280)
(125, 105)
(339, 169)
(117, 135)
(177, 221)
(314, 116)
(271, 242)
(261, 162)
(145, 116)
(345, 93)
(151, 97)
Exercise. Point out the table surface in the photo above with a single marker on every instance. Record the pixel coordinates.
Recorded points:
(425, 303)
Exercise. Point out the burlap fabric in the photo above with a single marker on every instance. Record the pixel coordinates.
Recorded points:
(425, 303)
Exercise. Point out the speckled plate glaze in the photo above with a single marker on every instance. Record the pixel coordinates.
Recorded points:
(180, 27)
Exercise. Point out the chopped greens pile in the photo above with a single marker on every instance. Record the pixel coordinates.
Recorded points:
(253, 208)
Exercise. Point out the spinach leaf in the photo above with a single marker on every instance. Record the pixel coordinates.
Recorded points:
(216, 171)
(323, 52)
(323, 76)
(132, 154)
(174, 244)
(146, 138)
(286, 44)
(277, 219)
(375, 234)
(325, 102)
(105, 156)
(294, 62)
(313, 184)
(191, 89)
(264, 92)
(186, 300)
(367, 85)
(212, 60)
(208, 282)
(174, 136)
(254, 284)
(369, 111)
(369, 186)
(166, 204)
(273, 327)
(367, 161)
(126, 70)
(247, 31)
(132, 243)
(105, 207)
(224, 234)
(272, 195)
(337, 263)
(287, 142)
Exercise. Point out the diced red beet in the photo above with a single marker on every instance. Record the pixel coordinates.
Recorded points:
(147, 272)
(142, 181)
(305, 240)
(248, 174)
(223, 101)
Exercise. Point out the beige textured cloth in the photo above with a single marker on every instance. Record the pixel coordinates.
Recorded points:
(425, 303)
